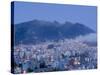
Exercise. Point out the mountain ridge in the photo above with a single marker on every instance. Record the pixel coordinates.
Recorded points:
(38, 30)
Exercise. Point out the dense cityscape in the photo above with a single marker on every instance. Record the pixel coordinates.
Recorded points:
(49, 37)
(62, 55)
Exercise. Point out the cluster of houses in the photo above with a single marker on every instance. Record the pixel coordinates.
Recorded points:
(49, 56)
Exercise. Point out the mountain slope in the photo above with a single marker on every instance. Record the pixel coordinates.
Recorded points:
(37, 31)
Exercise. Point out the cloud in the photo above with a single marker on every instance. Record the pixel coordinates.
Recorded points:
(89, 38)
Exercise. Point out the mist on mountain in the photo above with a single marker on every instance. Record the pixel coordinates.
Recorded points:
(36, 31)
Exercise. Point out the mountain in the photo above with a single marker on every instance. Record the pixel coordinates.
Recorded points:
(36, 31)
